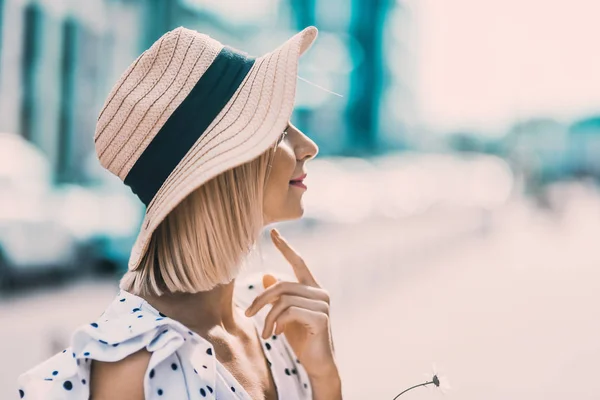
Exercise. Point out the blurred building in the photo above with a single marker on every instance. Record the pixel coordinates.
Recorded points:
(59, 59)
(56, 59)
(366, 52)
(398, 116)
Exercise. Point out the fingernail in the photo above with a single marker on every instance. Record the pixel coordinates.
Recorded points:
(248, 312)
(276, 233)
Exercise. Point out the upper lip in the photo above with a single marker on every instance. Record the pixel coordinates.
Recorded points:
(298, 179)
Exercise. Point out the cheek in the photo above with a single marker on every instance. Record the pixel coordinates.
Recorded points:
(277, 188)
(283, 166)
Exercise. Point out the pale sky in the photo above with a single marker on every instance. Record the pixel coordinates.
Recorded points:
(483, 63)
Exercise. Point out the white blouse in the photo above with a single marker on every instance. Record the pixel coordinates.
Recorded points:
(182, 365)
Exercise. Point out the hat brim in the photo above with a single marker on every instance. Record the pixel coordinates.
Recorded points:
(252, 120)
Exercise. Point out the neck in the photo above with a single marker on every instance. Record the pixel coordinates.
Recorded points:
(200, 311)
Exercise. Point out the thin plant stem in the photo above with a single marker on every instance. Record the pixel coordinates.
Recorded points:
(410, 388)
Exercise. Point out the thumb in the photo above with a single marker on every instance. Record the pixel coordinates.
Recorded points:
(268, 280)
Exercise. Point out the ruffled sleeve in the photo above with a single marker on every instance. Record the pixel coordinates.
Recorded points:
(127, 326)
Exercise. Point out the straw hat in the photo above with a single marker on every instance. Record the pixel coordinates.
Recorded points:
(188, 109)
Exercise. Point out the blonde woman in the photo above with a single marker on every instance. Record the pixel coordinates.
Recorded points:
(200, 132)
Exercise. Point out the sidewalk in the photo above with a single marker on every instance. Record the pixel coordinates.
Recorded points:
(510, 316)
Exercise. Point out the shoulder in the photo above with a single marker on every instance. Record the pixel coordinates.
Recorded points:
(123, 379)
(127, 340)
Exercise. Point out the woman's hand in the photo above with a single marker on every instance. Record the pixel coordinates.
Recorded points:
(301, 311)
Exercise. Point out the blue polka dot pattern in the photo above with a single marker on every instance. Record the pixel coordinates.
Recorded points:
(178, 367)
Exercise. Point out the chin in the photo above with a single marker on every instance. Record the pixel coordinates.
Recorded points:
(299, 214)
(298, 211)
(290, 215)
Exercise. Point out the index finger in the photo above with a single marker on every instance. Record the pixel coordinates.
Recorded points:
(300, 268)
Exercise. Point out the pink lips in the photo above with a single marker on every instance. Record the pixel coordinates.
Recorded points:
(298, 182)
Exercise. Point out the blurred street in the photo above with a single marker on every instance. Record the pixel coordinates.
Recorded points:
(503, 303)
(453, 211)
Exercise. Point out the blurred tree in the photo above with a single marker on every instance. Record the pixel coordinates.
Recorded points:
(584, 147)
(367, 24)
(539, 142)
(589, 124)
(536, 150)
(465, 142)
(495, 146)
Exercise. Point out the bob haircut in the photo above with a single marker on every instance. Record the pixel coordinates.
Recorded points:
(205, 240)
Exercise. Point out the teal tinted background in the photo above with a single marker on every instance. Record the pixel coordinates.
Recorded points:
(452, 212)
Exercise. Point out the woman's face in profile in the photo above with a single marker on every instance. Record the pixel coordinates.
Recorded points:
(284, 188)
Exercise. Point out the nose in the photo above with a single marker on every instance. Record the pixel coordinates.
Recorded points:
(304, 148)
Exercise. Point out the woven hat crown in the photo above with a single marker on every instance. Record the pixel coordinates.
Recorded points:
(147, 94)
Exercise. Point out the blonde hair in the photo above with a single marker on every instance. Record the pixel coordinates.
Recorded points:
(203, 242)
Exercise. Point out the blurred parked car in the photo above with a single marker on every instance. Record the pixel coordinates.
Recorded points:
(33, 240)
(105, 217)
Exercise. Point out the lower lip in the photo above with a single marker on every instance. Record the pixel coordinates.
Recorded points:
(298, 184)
